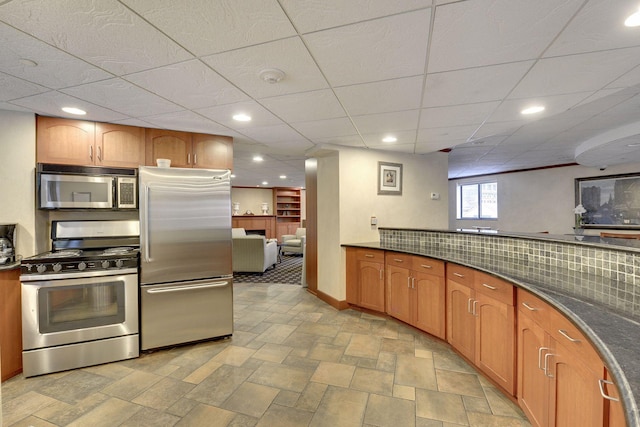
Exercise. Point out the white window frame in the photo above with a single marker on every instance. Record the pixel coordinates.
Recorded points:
(478, 213)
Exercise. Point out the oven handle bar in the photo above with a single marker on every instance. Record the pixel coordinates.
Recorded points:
(187, 288)
(76, 275)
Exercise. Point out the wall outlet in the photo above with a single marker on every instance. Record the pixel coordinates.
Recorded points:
(374, 220)
(435, 196)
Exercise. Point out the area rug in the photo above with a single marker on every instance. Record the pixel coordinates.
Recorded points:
(288, 271)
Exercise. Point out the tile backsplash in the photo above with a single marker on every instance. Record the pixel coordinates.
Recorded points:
(606, 275)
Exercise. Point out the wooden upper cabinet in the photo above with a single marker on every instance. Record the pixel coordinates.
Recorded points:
(64, 141)
(119, 145)
(168, 144)
(212, 151)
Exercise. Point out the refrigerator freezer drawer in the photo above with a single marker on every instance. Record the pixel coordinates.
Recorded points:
(177, 313)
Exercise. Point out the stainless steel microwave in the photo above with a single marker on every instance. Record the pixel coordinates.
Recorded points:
(74, 187)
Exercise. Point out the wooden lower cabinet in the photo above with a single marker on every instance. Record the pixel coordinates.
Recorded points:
(11, 319)
(460, 320)
(614, 413)
(365, 278)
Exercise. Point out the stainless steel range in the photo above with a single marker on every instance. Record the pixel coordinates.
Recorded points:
(80, 301)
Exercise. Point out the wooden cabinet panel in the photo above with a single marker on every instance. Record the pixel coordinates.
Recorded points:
(430, 303)
(614, 412)
(287, 209)
(535, 308)
(400, 295)
(166, 144)
(371, 285)
(460, 274)
(64, 141)
(11, 319)
(427, 265)
(119, 146)
(494, 287)
(352, 276)
(460, 321)
(370, 255)
(212, 151)
(532, 381)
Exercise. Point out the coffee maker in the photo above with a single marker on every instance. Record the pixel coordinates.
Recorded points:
(7, 244)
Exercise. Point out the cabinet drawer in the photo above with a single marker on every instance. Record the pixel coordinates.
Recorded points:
(566, 333)
(369, 255)
(460, 274)
(494, 287)
(398, 259)
(534, 308)
(427, 265)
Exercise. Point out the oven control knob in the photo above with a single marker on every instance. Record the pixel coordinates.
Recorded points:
(82, 265)
(105, 264)
(57, 267)
(41, 268)
(119, 263)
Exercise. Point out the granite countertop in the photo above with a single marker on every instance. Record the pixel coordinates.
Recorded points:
(615, 337)
(10, 266)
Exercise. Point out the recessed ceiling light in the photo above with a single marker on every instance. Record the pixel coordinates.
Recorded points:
(633, 20)
(533, 110)
(232, 175)
(283, 176)
(389, 139)
(242, 117)
(72, 110)
(635, 144)
(257, 158)
(265, 183)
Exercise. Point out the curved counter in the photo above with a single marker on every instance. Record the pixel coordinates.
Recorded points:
(552, 275)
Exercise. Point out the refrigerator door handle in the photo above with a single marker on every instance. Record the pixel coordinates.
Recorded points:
(188, 288)
(147, 246)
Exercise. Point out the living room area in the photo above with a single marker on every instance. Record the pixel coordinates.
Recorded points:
(269, 235)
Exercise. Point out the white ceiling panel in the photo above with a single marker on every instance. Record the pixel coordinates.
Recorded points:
(306, 106)
(190, 84)
(318, 15)
(321, 129)
(401, 148)
(348, 141)
(380, 49)
(102, 32)
(631, 78)
(576, 73)
(431, 146)
(120, 95)
(206, 27)
(473, 85)
(242, 67)
(454, 135)
(51, 103)
(375, 139)
(510, 109)
(457, 115)
(223, 114)
(485, 32)
(382, 97)
(274, 134)
(189, 121)
(12, 88)
(387, 123)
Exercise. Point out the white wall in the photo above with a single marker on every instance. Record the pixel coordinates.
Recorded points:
(534, 201)
(347, 198)
(252, 199)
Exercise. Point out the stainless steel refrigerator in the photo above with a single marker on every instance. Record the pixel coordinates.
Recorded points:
(186, 287)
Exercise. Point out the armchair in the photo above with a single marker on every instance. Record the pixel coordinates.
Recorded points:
(252, 253)
(294, 242)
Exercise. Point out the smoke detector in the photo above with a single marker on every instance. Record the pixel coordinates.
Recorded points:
(271, 75)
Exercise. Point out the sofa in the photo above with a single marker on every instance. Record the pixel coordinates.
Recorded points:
(252, 253)
(294, 242)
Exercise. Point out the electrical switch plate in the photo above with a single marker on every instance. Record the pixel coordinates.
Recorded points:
(374, 220)
(435, 196)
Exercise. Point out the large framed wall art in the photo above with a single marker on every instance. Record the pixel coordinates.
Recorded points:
(610, 201)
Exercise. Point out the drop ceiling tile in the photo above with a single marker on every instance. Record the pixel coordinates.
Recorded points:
(187, 121)
(454, 134)
(576, 73)
(321, 129)
(122, 96)
(217, 26)
(55, 69)
(319, 15)
(307, 106)
(490, 32)
(598, 26)
(510, 109)
(191, 84)
(348, 140)
(290, 147)
(631, 78)
(223, 114)
(375, 139)
(104, 33)
(402, 148)
(274, 134)
(13, 88)
(380, 49)
(497, 129)
(11, 107)
(387, 123)
(482, 84)
(51, 103)
(242, 67)
(457, 115)
(381, 97)
(431, 146)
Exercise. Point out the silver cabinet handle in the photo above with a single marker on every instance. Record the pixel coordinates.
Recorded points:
(368, 255)
(381, 273)
(528, 307)
(493, 288)
(458, 274)
(566, 335)
(546, 364)
(398, 260)
(408, 282)
(469, 305)
(425, 266)
(91, 152)
(606, 396)
(540, 350)
(195, 159)
(413, 283)
(187, 288)
(473, 308)
(189, 158)
(100, 153)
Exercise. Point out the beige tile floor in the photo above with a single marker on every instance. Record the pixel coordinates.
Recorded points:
(292, 361)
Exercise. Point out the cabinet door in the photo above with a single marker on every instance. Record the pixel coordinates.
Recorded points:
(371, 285)
(166, 144)
(532, 382)
(64, 141)
(429, 294)
(212, 151)
(575, 398)
(460, 322)
(495, 338)
(119, 145)
(399, 293)
(352, 276)
(11, 319)
(615, 414)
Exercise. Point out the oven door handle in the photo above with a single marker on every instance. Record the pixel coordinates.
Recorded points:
(187, 288)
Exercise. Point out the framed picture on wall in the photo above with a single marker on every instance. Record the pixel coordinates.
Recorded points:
(390, 178)
(611, 201)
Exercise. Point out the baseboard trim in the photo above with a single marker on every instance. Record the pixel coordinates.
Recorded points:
(338, 305)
